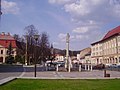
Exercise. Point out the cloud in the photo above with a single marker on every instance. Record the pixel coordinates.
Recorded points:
(80, 37)
(77, 37)
(59, 1)
(55, 44)
(9, 7)
(62, 37)
(96, 10)
(89, 16)
(81, 30)
(82, 7)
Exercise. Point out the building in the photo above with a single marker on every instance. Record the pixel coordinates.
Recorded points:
(5, 40)
(59, 57)
(85, 55)
(107, 50)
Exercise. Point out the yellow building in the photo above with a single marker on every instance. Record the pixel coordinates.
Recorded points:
(107, 50)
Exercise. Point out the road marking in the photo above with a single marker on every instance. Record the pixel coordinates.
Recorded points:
(23, 73)
(57, 74)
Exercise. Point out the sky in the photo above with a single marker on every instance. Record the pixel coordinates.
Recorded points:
(87, 21)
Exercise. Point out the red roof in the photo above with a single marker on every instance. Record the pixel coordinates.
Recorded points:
(6, 39)
(112, 32)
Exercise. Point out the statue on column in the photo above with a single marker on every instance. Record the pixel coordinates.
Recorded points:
(67, 64)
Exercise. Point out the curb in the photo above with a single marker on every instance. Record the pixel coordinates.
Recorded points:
(9, 79)
(6, 80)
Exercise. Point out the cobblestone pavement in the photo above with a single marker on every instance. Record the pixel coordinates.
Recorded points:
(28, 71)
(83, 74)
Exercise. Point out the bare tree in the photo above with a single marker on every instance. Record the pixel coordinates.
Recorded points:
(44, 47)
(30, 31)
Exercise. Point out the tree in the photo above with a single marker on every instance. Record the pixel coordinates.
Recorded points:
(20, 58)
(10, 58)
(10, 49)
(30, 31)
(52, 53)
(20, 42)
(44, 47)
(16, 37)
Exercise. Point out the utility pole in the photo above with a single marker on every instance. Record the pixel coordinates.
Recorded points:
(67, 53)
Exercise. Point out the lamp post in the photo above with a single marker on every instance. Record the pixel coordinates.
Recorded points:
(36, 39)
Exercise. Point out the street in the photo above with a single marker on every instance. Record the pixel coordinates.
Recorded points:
(10, 71)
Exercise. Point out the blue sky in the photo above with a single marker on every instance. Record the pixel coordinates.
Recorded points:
(87, 21)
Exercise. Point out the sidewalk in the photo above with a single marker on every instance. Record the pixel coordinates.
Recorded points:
(64, 75)
(5, 80)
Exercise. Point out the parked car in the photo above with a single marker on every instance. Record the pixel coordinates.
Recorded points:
(118, 66)
(99, 66)
(108, 65)
(51, 66)
(113, 66)
(61, 63)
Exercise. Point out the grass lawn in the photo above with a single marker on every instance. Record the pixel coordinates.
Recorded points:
(41, 84)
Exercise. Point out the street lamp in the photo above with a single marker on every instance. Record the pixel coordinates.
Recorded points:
(36, 39)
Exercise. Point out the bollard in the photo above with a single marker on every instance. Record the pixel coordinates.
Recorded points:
(104, 73)
(80, 68)
(57, 68)
(85, 67)
(46, 67)
(88, 67)
(91, 67)
(69, 68)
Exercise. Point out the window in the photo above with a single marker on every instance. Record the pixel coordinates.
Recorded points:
(96, 53)
(12, 52)
(116, 60)
(93, 54)
(7, 52)
(96, 48)
(100, 47)
(1, 51)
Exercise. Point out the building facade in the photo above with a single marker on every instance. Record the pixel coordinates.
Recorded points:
(59, 57)
(5, 41)
(85, 56)
(107, 50)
